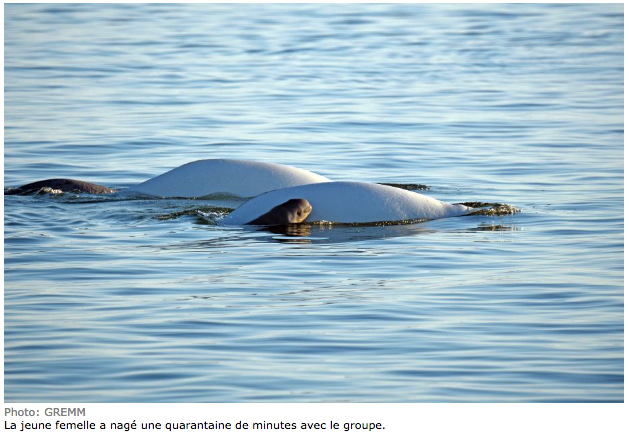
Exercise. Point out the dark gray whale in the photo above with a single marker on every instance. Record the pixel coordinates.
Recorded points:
(65, 185)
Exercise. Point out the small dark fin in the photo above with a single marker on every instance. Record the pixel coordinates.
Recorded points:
(408, 186)
(65, 185)
(491, 209)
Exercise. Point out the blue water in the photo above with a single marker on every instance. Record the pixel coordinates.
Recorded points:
(519, 104)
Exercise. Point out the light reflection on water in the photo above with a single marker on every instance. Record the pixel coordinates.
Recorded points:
(519, 104)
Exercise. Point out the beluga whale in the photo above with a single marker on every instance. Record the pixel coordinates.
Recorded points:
(202, 178)
(278, 194)
(350, 202)
(239, 178)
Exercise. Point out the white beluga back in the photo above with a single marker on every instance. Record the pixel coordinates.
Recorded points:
(240, 178)
(350, 202)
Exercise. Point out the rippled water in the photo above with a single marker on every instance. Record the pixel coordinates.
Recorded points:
(520, 104)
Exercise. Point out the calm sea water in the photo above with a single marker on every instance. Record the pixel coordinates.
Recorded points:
(521, 104)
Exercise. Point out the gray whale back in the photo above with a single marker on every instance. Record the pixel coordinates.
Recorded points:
(65, 185)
